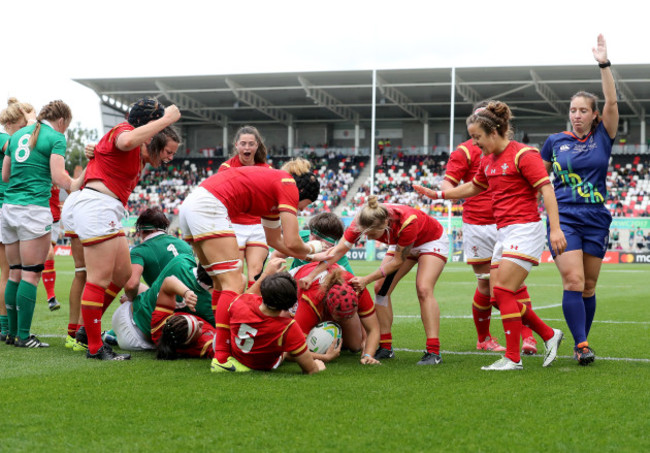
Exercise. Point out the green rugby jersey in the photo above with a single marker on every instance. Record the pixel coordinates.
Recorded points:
(30, 182)
(156, 252)
(182, 267)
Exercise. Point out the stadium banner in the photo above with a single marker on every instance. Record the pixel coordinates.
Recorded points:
(610, 257)
(635, 258)
(62, 250)
(630, 223)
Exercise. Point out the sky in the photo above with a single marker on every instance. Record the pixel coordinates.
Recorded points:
(48, 44)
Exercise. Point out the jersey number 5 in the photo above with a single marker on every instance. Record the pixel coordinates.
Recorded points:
(245, 337)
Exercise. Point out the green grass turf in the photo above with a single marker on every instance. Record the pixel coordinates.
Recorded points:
(56, 400)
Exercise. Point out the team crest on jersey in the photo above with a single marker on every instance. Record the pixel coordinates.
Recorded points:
(504, 168)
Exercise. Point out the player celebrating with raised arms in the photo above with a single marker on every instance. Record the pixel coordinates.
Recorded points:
(250, 151)
(514, 173)
(274, 195)
(330, 297)
(413, 237)
(34, 160)
(579, 160)
(111, 176)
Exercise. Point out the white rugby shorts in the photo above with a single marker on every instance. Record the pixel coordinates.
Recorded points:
(129, 336)
(520, 243)
(478, 242)
(203, 216)
(24, 223)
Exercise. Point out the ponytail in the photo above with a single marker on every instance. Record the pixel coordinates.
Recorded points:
(51, 112)
(373, 215)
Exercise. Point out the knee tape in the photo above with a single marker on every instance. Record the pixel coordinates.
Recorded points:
(482, 276)
(80, 269)
(16, 266)
(388, 280)
(34, 268)
(222, 267)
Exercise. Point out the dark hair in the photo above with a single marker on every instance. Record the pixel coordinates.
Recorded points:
(51, 112)
(279, 291)
(260, 154)
(174, 334)
(159, 141)
(145, 110)
(152, 219)
(494, 116)
(593, 100)
(327, 226)
(203, 277)
(306, 181)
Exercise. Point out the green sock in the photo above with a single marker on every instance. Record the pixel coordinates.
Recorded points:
(10, 303)
(25, 301)
(4, 324)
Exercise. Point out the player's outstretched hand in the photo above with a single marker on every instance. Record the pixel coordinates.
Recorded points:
(89, 151)
(275, 265)
(333, 351)
(600, 51)
(190, 298)
(367, 359)
(172, 114)
(358, 283)
(425, 191)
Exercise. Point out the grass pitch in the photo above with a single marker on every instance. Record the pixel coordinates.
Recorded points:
(56, 400)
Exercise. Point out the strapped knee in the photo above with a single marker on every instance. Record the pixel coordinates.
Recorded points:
(80, 269)
(483, 276)
(15, 266)
(34, 268)
(388, 280)
(222, 267)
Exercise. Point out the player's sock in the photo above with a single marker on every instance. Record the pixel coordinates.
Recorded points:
(92, 303)
(481, 311)
(72, 329)
(574, 312)
(222, 323)
(25, 303)
(511, 318)
(530, 318)
(433, 346)
(49, 278)
(524, 298)
(10, 303)
(386, 340)
(109, 295)
(250, 283)
(590, 312)
(494, 303)
(4, 324)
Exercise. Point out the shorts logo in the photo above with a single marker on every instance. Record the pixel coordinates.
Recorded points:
(475, 251)
(514, 247)
(112, 224)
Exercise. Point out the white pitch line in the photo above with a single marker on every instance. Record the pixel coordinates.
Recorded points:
(485, 353)
(496, 316)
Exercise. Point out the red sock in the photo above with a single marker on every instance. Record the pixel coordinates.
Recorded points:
(386, 340)
(72, 329)
(481, 311)
(49, 278)
(109, 295)
(511, 318)
(433, 345)
(523, 297)
(222, 322)
(92, 301)
(251, 283)
(494, 303)
(530, 318)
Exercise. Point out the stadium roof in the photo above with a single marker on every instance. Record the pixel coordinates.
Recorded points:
(420, 95)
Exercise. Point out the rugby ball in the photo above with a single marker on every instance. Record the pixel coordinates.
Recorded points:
(321, 337)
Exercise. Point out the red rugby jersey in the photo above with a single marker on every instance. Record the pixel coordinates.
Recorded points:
(55, 203)
(513, 176)
(259, 341)
(408, 226)
(311, 309)
(462, 166)
(241, 218)
(259, 191)
(118, 170)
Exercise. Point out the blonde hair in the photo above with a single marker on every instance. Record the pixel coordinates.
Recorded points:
(333, 277)
(373, 215)
(13, 114)
(51, 112)
(297, 166)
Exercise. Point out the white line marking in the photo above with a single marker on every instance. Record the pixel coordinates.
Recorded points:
(496, 316)
(615, 359)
